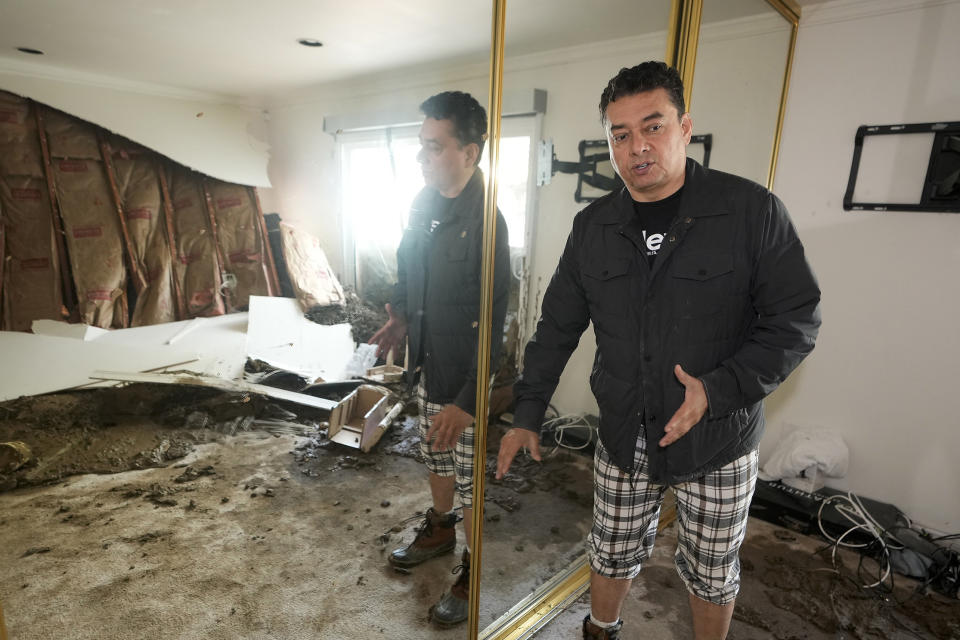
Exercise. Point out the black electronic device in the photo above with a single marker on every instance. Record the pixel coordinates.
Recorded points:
(798, 510)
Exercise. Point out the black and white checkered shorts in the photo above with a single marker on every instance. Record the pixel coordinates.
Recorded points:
(711, 513)
(458, 462)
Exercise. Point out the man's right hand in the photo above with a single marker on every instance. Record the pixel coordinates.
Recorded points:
(512, 441)
(390, 334)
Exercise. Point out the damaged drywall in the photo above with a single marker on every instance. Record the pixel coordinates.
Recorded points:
(110, 233)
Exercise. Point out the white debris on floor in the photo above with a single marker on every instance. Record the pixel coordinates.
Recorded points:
(60, 356)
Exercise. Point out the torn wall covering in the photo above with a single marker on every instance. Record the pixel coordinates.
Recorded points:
(133, 235)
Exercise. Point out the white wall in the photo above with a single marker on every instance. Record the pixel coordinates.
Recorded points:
(886, 369)
(201, 131)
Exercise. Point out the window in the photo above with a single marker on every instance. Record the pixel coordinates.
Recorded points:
(379, 177)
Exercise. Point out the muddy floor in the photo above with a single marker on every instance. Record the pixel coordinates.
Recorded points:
(193, 532)
(225, 516)
(789, 591)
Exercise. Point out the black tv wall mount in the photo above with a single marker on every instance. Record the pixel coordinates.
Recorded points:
(941, 186)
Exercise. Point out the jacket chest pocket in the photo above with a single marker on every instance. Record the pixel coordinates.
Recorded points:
(454, 271)
(607, 283)
(703, 282)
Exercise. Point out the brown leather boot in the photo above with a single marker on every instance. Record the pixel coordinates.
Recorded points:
(593, 632)
(436, 536)
(454, 606)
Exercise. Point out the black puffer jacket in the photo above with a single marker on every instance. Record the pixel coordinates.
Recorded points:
(730, 297)
(438, 291)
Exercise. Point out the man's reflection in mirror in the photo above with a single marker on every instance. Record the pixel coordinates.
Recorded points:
(436, 304)
(702, 303)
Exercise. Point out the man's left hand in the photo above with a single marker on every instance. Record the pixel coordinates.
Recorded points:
(447, 426)
(690, 412)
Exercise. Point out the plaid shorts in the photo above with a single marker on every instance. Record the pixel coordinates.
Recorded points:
(457, 463)
(711, 513)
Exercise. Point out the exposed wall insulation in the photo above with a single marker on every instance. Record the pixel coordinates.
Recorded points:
(84, 209)
(31, 273)
(242, 241)
(141, 199)
(30, 269)
(3, 254)
(313, 281)
(197, 268)
(91, 224)
(19, 145)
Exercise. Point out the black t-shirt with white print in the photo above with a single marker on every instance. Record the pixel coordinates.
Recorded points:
(653, 219)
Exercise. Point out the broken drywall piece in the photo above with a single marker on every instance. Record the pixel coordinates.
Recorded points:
(60, 329)
(388, 372)
(187, 328)
(216, 383)
(280, 335)
(362, 360)
(35, 364)
(218, 343)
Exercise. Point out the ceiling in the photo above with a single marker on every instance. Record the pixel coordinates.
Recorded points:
(247, 49)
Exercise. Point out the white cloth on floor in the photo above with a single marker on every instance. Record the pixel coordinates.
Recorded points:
(803, 448)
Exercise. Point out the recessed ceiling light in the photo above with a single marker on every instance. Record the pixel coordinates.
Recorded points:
(35, 52)
(310, 42)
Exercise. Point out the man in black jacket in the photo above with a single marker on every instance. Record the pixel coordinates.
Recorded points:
(436, 303)
(702, 303)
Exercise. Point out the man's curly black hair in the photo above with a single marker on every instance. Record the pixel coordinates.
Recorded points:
(646, 76)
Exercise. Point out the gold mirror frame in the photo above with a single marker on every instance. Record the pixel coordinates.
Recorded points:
(533, 612)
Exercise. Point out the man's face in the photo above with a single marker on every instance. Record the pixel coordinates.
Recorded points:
(446, 165)
(648, 143)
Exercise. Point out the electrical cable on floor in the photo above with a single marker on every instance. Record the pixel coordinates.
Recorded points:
(849, 505)
(851, 508)
(560, 424)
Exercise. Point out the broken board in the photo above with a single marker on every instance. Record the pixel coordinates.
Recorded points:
(216, 383)
(280, 335)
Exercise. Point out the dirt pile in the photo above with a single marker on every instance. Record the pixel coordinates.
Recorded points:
(134, 427)
(365, 317)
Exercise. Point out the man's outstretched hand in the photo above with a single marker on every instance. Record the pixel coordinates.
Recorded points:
(447, 426)
(390, 334)
(690, 412)
(512, 441)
